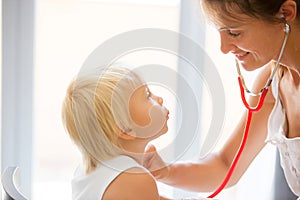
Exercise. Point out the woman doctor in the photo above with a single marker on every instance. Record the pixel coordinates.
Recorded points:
(256, 32)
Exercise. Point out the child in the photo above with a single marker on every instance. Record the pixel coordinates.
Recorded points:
(111, 115)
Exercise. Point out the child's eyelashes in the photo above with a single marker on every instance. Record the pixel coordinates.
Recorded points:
(148, 94)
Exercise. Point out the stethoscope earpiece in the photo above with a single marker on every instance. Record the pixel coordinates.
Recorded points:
(286, 28)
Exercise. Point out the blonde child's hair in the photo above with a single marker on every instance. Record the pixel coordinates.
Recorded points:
(94, 112)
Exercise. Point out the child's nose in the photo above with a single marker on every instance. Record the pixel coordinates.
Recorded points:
(159, 100)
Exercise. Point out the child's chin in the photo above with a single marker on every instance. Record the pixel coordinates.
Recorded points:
(164, 130)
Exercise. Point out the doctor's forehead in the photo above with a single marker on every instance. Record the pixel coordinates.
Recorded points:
(230, 23)
(226, 16)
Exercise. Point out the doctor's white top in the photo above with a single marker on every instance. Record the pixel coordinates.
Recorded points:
(289, 148)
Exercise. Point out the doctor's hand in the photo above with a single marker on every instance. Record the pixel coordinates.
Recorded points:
(154, 163)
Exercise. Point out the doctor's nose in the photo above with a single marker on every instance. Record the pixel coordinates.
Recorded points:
(226, 45)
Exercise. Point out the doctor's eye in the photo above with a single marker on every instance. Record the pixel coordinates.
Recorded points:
(233, 34)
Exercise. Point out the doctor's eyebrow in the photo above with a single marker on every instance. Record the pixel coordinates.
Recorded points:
(226, 28)
(223, 28)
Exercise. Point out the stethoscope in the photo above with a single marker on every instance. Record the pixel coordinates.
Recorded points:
(262, 94)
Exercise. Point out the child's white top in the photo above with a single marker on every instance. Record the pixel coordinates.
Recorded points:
(93, 185)
(289, 148)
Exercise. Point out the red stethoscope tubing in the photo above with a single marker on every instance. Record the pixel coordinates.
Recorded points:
(245, 136)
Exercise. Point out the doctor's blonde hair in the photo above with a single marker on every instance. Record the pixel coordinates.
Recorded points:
(87, 112)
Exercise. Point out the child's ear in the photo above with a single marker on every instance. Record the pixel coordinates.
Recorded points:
(127, 136)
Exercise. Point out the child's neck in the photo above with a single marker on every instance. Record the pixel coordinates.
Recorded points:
(135, 149)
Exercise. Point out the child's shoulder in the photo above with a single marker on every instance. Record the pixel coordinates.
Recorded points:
(133, 183)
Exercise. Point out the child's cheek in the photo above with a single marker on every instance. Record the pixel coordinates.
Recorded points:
(157, 116)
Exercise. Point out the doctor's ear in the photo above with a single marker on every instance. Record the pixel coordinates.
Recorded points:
(288, 10)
